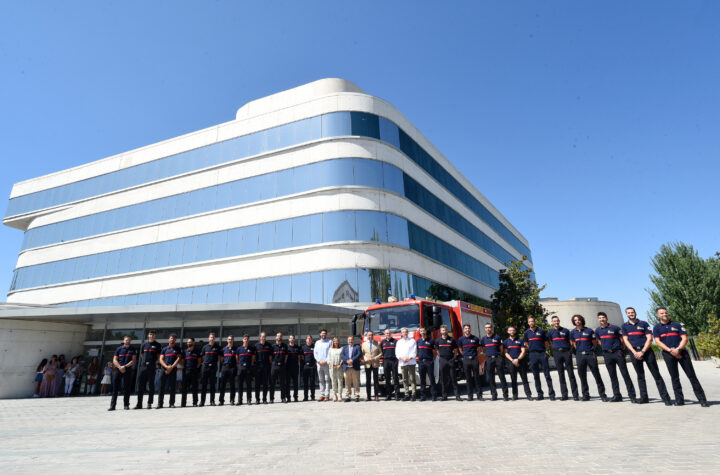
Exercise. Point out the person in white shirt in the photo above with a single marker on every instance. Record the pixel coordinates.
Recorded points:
(406, 352)
(321, 356)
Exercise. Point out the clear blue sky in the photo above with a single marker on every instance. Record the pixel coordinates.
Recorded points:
(594, 127)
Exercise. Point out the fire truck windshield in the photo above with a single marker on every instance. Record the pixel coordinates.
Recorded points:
(393, 318)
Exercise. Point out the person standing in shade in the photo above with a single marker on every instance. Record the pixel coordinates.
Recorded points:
(637, 337)
(406, 353)
(447, 350)
(263, 354)
(48, 384)
(390, 365)
(92, 373)
(672, 339)
(170, 357)
(191, 372)
(426, 364)
(371, 355)
(468, 344)
(560, 340)
(336, 368)
(149, 353)
(350, 356)
(583, 339)
(537, 342)
(320, 353)
(293, 367)
(245, 361)
(228, 370)
(611, 342)
(517, 362)
(210, 356)
(124, 359)
(39, 376)
(494, 361)
(309, 368)
(278, 373)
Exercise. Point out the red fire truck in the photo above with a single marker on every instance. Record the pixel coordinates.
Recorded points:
(413, 313)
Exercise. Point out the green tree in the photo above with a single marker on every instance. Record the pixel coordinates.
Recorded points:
(517, 298)
(686, 284)
(708, 342)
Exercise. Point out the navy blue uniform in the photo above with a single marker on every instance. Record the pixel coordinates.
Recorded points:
(446, 348)
(636, 334)
(227, 373)
(494, 363)
(585, 355)
(124, 357)
(293, 369)
(149, 354)
(535, 340)
(610, 341)
(560, 341)
(262, 370)
(170, 356)
(390, 367)
(671, 335)
(211, 355)
(469, 347)
(426, 366)
(513, 348)
(245, 369)
(191, 373)
(309, 367)
(278, 373)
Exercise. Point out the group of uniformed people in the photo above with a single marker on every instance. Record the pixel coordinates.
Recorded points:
(269, 365)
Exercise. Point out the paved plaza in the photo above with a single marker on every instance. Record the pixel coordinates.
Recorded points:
(78, 435)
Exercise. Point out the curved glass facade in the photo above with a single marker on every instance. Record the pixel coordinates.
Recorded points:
(370, 226)
(334, 124)
(328, 287)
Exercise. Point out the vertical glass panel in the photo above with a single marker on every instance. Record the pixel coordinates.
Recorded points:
(365, 125)
(389, 132)
(368, 173)
(195, 202)
(255, 143)
(317, 174)
(302, 131)
(200, 294)
(218, 248)
(215, 293)
(371, 226)
(204, 247)
(286, 135)
(338, 173)
(266, 238)
(250, 239)
(336, 124)
(369, 280)
(247, 291)
(230, 292)
(268, 187)
(189, 249)
(393, 179)
(397, 230)
(316, 229)
(170, 297)
(301, 179)
(341, 286)
(282, 286)
(234, 242)
(315, 127)
(126, 261)
(339, 226)
(163, 253)
(142, 299)
(251, 192)
(283, 234)
(156, 298)
(224, 196)
(176, 252)
(150, 256)
(284, 182)
(185, 295)
(300, 288)
(271, 139)
(264, 292)
(301, 231)
(209, 197)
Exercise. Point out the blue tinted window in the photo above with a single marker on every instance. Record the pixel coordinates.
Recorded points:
(300, 288)
(371, 226)
(215, 293)
(282, 289)
(283, 234)
(368, 173)
(301, 231)
(266, 237)
(230, 292)
(336, 124)
(340, 286)
(247, 291)
(339, 226)
(365, 125)
(264, 291)
(338, 172)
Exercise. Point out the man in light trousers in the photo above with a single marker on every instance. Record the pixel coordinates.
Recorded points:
(406, 351)
(323, 368)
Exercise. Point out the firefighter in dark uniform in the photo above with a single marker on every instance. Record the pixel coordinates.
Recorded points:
(190, 372)
(517, 362)
(610, 337)
(293, 367)
(149, 353)
(447, 350)
(390, 365)
(426, 364)
(278, 373)
(468, 345)
(560, 340)
(309, 368)
(637, 336)
(210, 356)
(170, 357)
(228, 370)
(246, 362)
(537, 342)
(583, 339)
(494, 361)
(123, 361)
(671, 337)
(263, 353)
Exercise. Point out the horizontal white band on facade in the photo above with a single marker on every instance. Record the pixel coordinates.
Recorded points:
(256, 266)
(274, 161)
(313, 107)
(302, 204)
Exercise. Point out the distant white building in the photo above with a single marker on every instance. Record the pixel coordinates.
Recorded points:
(588, 307)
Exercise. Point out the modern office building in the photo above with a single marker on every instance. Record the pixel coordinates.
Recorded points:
(312, 203)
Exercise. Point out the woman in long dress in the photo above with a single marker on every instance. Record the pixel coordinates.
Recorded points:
(60, 378)
(49, 382)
